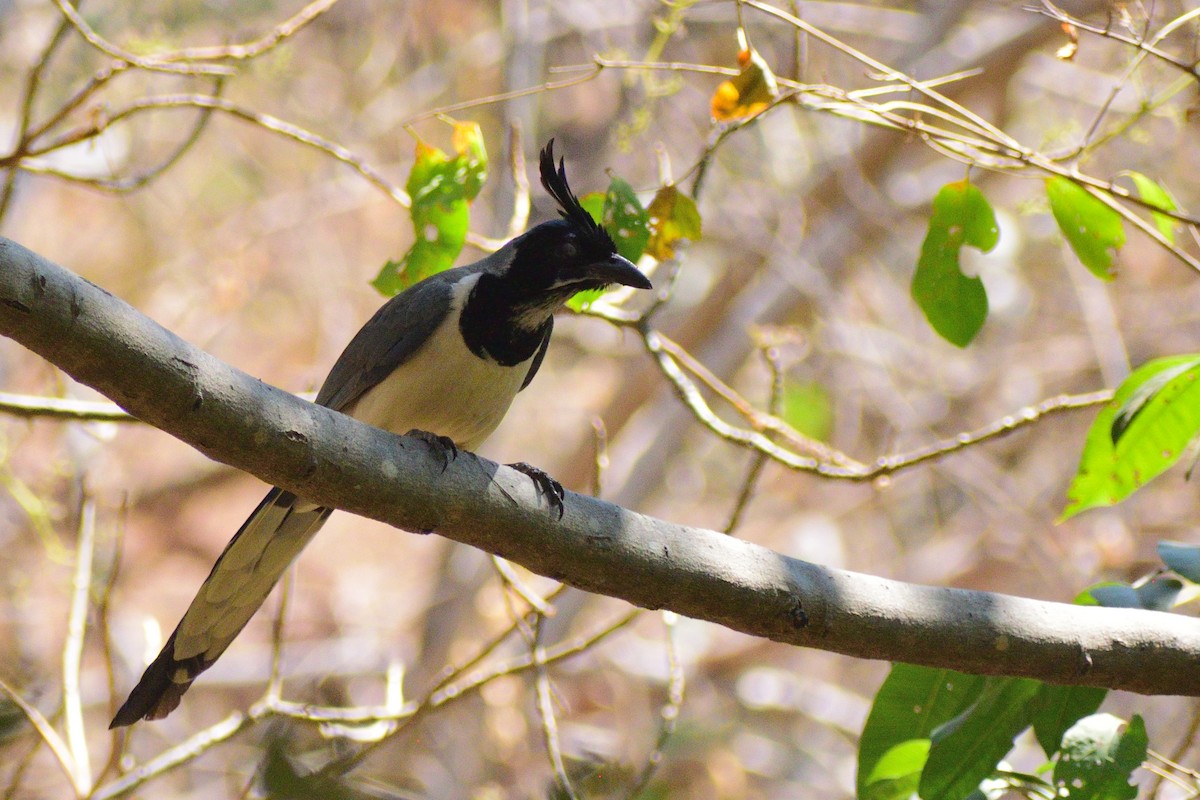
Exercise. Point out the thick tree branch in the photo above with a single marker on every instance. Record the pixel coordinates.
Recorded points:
(603, 548)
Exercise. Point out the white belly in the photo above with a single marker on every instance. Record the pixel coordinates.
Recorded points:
(444, 389)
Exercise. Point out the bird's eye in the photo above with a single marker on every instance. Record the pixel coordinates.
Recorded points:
(569, 249)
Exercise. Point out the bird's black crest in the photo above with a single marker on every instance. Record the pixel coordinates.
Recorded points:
(555, 181)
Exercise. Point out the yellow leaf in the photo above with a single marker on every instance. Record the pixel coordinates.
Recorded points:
(747, 94)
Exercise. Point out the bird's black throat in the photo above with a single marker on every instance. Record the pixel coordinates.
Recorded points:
(503, 323)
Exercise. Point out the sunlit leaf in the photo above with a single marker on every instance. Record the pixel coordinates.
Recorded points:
(1093, 230)
(897, 773)
(955, 305)
(1098, 758)
(912, 702)
(1157, 196)
(441, 189)
(967, 749)
(750, 91)
(673, 216)
(620, 213)
(1141, 432)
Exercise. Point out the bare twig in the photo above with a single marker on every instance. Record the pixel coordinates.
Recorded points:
(117, 741)
(50, 736)
(202, 101)
(516, 160)
(183, 753)
(113, 51)
(669, 714)
(72, 655)
(545, 709)
(20, 405)
(32, 84)
(758, 460)
(517, 584)
(882, 466)
(253, 49)
(1048, 9)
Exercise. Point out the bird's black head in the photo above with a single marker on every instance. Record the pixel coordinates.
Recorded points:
(559, 258)
(509, 313)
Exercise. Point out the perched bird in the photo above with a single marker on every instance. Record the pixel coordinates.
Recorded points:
(442, 359)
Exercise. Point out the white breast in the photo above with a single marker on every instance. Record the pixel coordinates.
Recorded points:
(444, 388)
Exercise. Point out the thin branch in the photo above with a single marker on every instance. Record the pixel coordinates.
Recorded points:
(72, 655)
(30, 406)
(669, 713)
(544, 701)
(265, 121)
(1048, 9)
(521, 587)
(48, 735)
(882, 466)
(253, 49)
(516, 161)
(185, 752)
(113, 51)
(103, 622)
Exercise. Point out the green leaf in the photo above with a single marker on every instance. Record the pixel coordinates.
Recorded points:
(673, 216)
(1141, 432)
(621, 214)
(967, 749)
(1098, 758)
(808, 408)
(910, 704)
(897, 773)
(1056, 708)
(1093, 230)
(955, 305)
(1157, 196)
(626, 221)
(1183, 558)
(441, 189)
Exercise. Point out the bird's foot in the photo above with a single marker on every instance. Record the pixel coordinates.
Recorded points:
(443, 445)
(546, 486)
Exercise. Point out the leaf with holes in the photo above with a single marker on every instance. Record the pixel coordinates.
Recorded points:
(955, 305)
(441, 189)
(1098, 758)
(1141, 432)
(1093, 230)
(619, 212)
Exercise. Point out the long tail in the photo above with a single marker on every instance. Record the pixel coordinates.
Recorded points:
(239, 583)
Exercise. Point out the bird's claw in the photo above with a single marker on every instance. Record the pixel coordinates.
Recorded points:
(546, 486)
(438, 444)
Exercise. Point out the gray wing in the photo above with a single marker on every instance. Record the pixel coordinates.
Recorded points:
(389, 338)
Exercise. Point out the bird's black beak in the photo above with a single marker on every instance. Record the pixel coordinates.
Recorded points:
(617, 269)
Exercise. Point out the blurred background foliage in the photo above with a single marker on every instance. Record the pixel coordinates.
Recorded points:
(260, 250)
